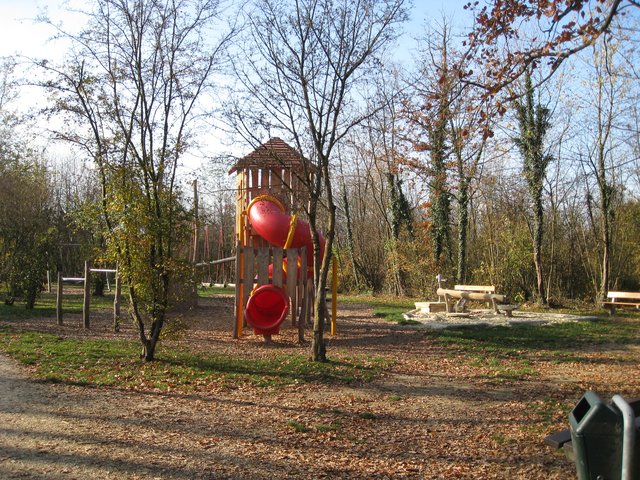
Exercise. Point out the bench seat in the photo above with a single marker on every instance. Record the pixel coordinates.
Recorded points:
(621, 299)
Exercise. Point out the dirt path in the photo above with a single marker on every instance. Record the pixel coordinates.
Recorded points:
(53, 431)
(433, 414)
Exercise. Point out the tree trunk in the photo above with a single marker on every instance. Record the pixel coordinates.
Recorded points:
(350, 240)
(149, 350)
(538, 232)
(149, 344)
(605, 205)
(321, 272)
(318, 346)
(463, 227)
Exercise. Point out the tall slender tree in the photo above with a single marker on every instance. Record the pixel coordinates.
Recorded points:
(534, 124)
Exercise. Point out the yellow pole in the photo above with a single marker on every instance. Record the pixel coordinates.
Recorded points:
(334, 296)
(240, 212)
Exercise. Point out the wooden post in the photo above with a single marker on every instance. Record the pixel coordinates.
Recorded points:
(237, 328)
(116, 304)
(59, 299)
(87, 295)
(195, 221)
(304, 298)
(276, 271)
(247, 281)
(263, 265)
(292, 282)
(334, 296)
(49, 281)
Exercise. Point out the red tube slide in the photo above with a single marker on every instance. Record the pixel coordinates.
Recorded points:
(266, 309)
(269, 220)
(268, 305)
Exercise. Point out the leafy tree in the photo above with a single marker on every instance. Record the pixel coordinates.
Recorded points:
(131, 87)
(26, 236)
(308, 65)
(447, 122)
(533, 124)
(429, 119)
(513, 35)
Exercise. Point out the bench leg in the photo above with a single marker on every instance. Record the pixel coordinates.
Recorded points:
(447, 302)
(495, 306)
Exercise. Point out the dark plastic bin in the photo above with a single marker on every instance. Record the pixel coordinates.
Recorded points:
(597, 435)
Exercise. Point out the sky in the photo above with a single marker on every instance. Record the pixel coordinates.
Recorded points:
(21, 34)
(18, 31)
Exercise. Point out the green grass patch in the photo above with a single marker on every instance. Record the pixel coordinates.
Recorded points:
(117, 363)
(390, 313)
(297, 426)
(376, 301)
(46, 305)
(331, 427)
(368, 415)
(211, 292)
(562, 341)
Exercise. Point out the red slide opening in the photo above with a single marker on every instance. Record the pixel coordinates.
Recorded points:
(266, 309)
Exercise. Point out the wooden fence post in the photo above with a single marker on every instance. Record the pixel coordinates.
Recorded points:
(59, 299)
(292, 282)
(334, 296)
(87, 295)
(116, 304)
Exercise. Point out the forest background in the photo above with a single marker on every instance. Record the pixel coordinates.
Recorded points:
(534, 189)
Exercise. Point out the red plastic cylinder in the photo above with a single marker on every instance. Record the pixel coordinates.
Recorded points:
(272, 224)
(266, 309)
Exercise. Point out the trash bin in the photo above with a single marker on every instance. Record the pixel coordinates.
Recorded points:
(597, 437)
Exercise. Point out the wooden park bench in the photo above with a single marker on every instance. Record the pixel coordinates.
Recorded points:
(460, 297)
(488, 290)
(623, 300)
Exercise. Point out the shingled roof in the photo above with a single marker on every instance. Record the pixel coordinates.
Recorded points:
(274, 153)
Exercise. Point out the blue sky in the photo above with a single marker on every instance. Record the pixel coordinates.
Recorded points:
(19, 33)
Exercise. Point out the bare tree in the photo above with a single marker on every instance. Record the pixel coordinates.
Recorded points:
(447, 122)
(599, 155)
(305, 76)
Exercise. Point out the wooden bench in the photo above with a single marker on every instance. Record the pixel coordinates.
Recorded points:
(621, 299)
(475, 289)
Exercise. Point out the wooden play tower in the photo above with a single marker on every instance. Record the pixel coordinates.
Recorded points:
(276, 169)
(275, 173)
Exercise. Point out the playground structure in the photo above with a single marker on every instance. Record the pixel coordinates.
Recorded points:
(274, 254)
(86, 305)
